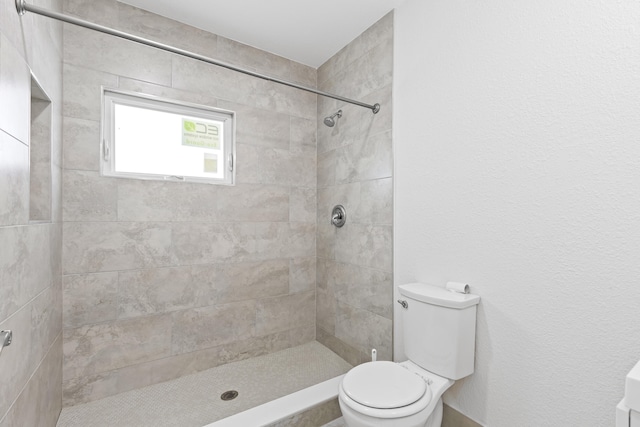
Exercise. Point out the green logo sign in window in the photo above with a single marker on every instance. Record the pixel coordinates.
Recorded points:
(201, 133)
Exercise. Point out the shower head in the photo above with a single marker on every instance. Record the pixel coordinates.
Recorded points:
(329, 121)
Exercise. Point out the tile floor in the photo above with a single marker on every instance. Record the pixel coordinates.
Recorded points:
(194, 400)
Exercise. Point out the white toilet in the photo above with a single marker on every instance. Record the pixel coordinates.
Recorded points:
(439, 329)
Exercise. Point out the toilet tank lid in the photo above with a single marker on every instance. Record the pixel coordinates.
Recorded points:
(438, 296)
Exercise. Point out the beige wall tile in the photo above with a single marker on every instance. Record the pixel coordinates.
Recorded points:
(302, 276)
(56, 194)
(15, 92)
(366, 202)
(11, 23)
(369, 159)
(16, 359)
(34, 331)
(257, 126)
(116, 56)
(289, 100)
(206, 243)
(239, 88)
(253, 202)
(285, 240)
(326, 175)
(165, 30)
(302, 334)
(25, 265)
(81, 144)
(326, 310)
(89, 298)
(260, 165)
(366, 245)
(347, 195)
(224, 283)
(325, 238)
(82, 91)
(157, 290)
(303, 74)
(30, 291)
(40, 402)
(191, 75)
(104, 347)
(303, 135)
(108, 246)
(352, 82)
(139, 86)
(354, 302)
(356, 123)
(194, 76)
(46, 323)
(89, 387)
(14, 181)
(302, 206)
(285, 312)
(40, 161)
(361, 287)
(246, 56)
(351, 354)
(376, 202)
(104, 12)
(205, 327)
(147, 200)
(88, 196)
(364, 330)
(44, 51)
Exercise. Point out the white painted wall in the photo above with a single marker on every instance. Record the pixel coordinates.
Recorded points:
(517, 167)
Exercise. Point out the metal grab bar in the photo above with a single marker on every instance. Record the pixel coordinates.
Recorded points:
(5, 339)
(22, 7)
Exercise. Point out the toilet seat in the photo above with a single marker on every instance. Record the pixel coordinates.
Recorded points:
(384, 380)
(383, 385)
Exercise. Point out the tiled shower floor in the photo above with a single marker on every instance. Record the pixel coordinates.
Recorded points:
(194, 400)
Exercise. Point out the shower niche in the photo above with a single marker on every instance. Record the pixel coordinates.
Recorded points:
(40, 154)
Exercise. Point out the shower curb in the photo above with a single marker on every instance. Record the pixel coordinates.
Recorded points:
(280, 411)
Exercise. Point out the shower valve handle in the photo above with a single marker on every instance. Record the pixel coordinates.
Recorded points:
(338, 216)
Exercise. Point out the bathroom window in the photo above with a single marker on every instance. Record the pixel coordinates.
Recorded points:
(146, 137)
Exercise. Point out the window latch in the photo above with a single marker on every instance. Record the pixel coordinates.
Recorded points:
(105, 150)
(230, 162)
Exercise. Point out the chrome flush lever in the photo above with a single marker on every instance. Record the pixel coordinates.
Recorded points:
(5, 339)
(403, 303)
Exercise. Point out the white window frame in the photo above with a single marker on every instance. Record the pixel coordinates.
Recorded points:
(108, 145)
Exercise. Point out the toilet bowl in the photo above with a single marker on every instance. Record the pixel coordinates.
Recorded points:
(388, 394)
(439, 340)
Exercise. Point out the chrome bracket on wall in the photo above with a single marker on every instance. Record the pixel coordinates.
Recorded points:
(5, 339)
(338, 216)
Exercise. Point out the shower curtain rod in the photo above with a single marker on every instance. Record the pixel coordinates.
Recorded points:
(22, 7)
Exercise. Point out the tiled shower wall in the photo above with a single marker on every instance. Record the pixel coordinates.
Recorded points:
(164, 279)
(30, 277)
(354, 269)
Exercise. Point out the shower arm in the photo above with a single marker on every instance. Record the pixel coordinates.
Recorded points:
(22, 7)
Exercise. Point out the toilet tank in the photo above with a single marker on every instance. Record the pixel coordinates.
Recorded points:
(439, 328)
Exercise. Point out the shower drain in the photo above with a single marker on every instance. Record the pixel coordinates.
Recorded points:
(229, 395)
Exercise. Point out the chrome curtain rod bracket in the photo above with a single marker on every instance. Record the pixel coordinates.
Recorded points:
(22, 7)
